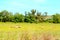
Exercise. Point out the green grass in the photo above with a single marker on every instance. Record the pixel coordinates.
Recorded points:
(27, 30)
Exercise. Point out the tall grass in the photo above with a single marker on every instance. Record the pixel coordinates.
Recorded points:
(27, 36)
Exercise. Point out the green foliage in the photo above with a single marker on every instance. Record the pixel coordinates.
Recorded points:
(32, 17)
(56, 18)
(18, 17)
(4, 16)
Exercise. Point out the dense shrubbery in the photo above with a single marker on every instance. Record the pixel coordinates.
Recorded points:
(56, 18)
(31, 17)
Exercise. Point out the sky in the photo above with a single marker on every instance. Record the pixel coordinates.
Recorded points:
(50, 6)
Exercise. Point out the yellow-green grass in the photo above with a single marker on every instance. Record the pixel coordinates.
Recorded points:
(8, 30)
(29, 26)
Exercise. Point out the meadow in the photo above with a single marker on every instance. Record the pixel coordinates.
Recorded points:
(29, 31)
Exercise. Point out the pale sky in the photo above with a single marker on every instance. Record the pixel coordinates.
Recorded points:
(50, 6)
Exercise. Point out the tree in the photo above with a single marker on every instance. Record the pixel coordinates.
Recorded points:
(26, 18)
(39, 17)
(33, 11)
(18, 17)
(11, 17)
(1, 17)
(56, 18)
(30, 16)
(4, 16)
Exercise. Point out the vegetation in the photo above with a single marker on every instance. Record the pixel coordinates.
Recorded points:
(31, 17)
(28, 31)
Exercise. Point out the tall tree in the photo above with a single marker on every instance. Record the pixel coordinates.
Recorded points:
(33, 11)
(39, 17)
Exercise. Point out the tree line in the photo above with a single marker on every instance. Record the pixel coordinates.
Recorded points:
(30, 17)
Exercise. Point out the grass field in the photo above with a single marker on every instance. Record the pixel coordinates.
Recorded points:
(29, 31)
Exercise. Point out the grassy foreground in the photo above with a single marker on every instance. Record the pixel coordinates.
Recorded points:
(29, 31)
